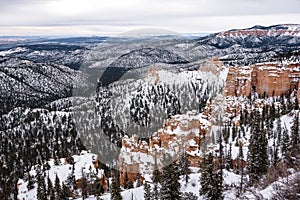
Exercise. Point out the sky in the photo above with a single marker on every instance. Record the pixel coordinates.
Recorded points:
(111, 17)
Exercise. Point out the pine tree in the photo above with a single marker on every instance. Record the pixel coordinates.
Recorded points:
(147, 191)
(218, 187)
(57, 186)
(156, 179)
(241, 159)
(115, 190)
(295, 137)
(84, 191)
(228, 159)
(285, 145)
(30, 184)
(184, 164)
(65, 193)
(138, 181)
(278, 131)
(49, 185)
(258, 158)
(41, 189)
(275, 154)
(189, 196)
(71, 181)
(170, 186)
(206, 175)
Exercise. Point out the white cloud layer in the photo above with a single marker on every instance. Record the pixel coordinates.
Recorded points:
(34, 17)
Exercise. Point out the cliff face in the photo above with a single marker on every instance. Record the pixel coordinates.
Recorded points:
(178, 133)
(272, 79)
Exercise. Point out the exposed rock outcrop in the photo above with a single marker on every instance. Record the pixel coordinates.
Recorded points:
(179, 133)
(271, 79)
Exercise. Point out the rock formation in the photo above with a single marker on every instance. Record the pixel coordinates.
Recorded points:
(271, 79)
(179, 133)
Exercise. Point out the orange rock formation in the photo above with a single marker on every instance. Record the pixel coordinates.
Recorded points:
(272, 79)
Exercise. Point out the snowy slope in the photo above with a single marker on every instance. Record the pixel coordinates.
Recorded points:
(82, 163)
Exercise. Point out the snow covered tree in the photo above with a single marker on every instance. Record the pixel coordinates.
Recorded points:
(138, 180)
(295, 137)
(228, 158)
(84, 190)
(189, 196)
(147, 191)
(115, 190)
(30, 184)
(71, 182)
(258, 158)
(285, 144)
(41, 189)
(184, 164)
(278, 131)
(49, 185)
(156, 179)
(65, 193)
(211, 179)
(241, 159)
(170, 186)
(57, 186)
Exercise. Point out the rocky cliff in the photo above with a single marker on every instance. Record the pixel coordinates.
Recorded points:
(272, 79)
(179, 133)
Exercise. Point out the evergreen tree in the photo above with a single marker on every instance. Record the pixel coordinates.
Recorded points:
(138, 180)
(84, 191)
(71, 181)
(241, 159)
(41, 189)
(170, 186)
(278, 131)
(228, 159)
(285, 145)
(156, 179)
(147, 191)
(115, 190)
(49, 185)
(184, 164)
(218, 176)
(275, 157)
(258, 158)
(30, 184)
(211, 180)
(189, 196)
(295, 137)
(65, 193)
(57, 186)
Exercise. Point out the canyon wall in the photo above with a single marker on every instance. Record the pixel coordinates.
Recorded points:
(179, 133)
(271, 79)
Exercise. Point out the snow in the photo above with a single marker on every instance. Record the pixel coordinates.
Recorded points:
(11, 51)
(83, 163)
(231, 184)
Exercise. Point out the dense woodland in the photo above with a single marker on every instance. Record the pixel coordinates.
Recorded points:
(29, 137)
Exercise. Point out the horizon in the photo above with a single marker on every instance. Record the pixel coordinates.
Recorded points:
(135, 32)
(114, 17)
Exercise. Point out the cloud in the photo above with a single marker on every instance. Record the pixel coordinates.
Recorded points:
(176, 14)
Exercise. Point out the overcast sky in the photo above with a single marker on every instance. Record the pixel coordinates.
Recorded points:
(104, 17)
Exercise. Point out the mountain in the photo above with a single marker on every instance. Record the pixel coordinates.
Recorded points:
(251, 45)
(63, 51)
(27, 83)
